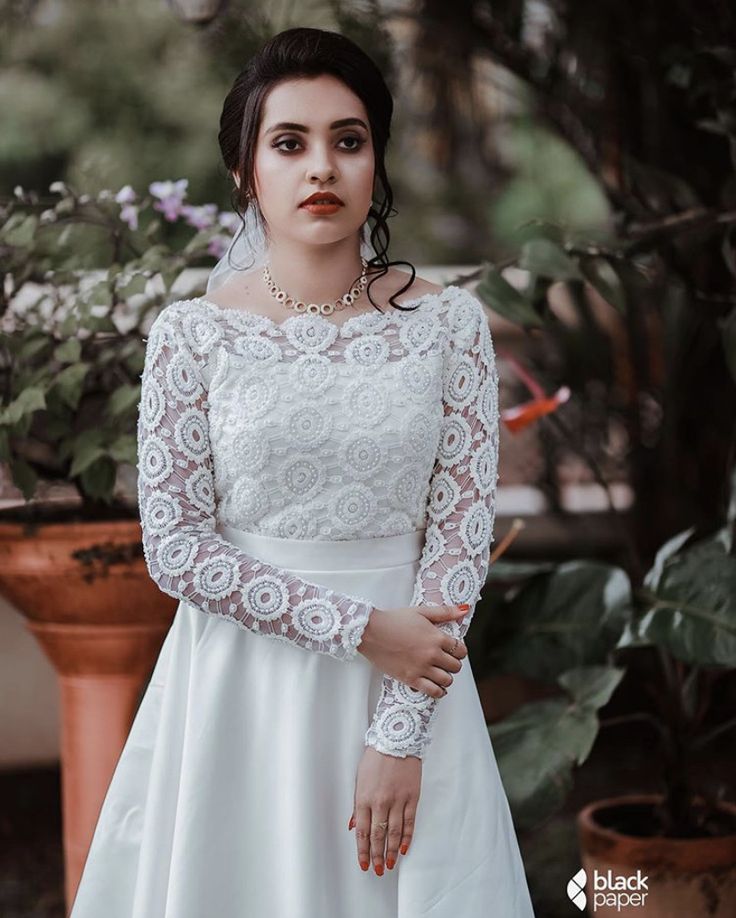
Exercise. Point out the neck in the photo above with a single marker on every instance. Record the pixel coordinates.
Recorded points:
(315, 273)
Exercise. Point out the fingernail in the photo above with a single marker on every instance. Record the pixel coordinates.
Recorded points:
(390, 863)
(350, 824)
(404, 849)
(363, 865)
(464, 607)
(379, 869)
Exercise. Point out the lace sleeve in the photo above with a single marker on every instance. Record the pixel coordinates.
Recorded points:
(184, 554)
(459, 531)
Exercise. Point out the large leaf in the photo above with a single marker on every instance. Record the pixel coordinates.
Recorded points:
(30, 400)
(602, 276)
(546, 258)
(571, 617)
(98, 480)
(506, 300)
(537, 746)
(694, 609)
(69, 383)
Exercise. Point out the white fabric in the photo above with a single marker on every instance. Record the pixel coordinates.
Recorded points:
(309, 429)
(235, 787)
(294, 476)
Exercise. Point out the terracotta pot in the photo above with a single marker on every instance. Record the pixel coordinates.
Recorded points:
(87, 596)
(653, 877)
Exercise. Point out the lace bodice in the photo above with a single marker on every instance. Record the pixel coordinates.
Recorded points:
(308, 429)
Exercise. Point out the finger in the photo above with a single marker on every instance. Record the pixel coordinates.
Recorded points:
(457, 650)
(363, 836)
(394, 835)
(378, 839)
(429, 688)
(440, 677)
(408, 829)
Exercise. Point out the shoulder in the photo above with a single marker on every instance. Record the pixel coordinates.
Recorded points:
(394, 280)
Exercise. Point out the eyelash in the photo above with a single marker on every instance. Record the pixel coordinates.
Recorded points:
(277, 144)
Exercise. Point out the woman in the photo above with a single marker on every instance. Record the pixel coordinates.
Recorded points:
(317, 485)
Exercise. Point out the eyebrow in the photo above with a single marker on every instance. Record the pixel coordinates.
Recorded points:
(293, 126)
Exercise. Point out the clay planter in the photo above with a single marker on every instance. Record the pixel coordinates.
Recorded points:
(86, 594)
(672, 877)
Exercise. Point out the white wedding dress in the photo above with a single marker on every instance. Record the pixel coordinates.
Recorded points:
(293, 476)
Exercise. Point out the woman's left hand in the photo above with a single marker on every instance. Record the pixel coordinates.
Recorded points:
(386, 790)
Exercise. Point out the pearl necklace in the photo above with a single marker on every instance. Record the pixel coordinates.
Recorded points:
(325, 309)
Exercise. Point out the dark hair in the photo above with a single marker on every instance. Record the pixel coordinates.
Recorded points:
(301, 52)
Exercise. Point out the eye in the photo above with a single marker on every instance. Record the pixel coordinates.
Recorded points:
(357, 143)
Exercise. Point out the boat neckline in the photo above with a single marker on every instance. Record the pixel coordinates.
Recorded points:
(255, 318)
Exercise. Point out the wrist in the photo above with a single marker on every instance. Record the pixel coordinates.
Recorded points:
(368, 640)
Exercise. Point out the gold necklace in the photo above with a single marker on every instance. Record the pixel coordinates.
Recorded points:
(324, 309)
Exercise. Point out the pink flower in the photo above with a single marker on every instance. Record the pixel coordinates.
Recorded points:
(229, 221)
(170, 197)
(199, 217)
(126, 195)
(129, 215)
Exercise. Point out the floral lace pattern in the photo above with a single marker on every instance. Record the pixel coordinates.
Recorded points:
(309, 429)
(460, 521)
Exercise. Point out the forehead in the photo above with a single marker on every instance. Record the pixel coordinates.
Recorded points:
(313, 101)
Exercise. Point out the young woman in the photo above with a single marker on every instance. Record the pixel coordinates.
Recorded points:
(318, 445)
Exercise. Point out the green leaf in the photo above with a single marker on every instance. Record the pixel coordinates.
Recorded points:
(591, 686)
(24, 477)
(124, 449)
(98, 480)
(536, 748)
(694, 611)
(21, 233)
(546, 258)
(70, 383)
(602, 276)
(123, 399)
(506, 300)
(569, 618)
(670, 547)
(69, 351)
(30, 400)
(136, 285)
(86, 448)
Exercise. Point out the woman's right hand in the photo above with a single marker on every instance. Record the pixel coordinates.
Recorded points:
(404, 643)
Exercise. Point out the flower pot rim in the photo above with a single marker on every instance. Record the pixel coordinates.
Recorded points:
(587, 822)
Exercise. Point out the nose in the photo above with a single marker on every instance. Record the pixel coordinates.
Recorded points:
(321, 167)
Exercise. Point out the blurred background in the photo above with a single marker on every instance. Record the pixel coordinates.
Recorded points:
(574, 165)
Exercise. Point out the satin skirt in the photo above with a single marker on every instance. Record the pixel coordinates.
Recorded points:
(233, 792)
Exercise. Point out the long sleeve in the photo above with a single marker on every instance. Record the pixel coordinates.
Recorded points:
(459, 530)
(185, 555)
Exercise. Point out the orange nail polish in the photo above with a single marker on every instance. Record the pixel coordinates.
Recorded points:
(390, 863)
(464, 607)
(404, 849)
(379, 870)
(363, 865)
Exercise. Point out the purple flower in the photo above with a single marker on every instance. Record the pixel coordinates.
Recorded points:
(126, 195)
(199, 217)
(129, 215)
(170, 197)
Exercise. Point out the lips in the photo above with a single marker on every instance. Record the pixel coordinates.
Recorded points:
(325, 197)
